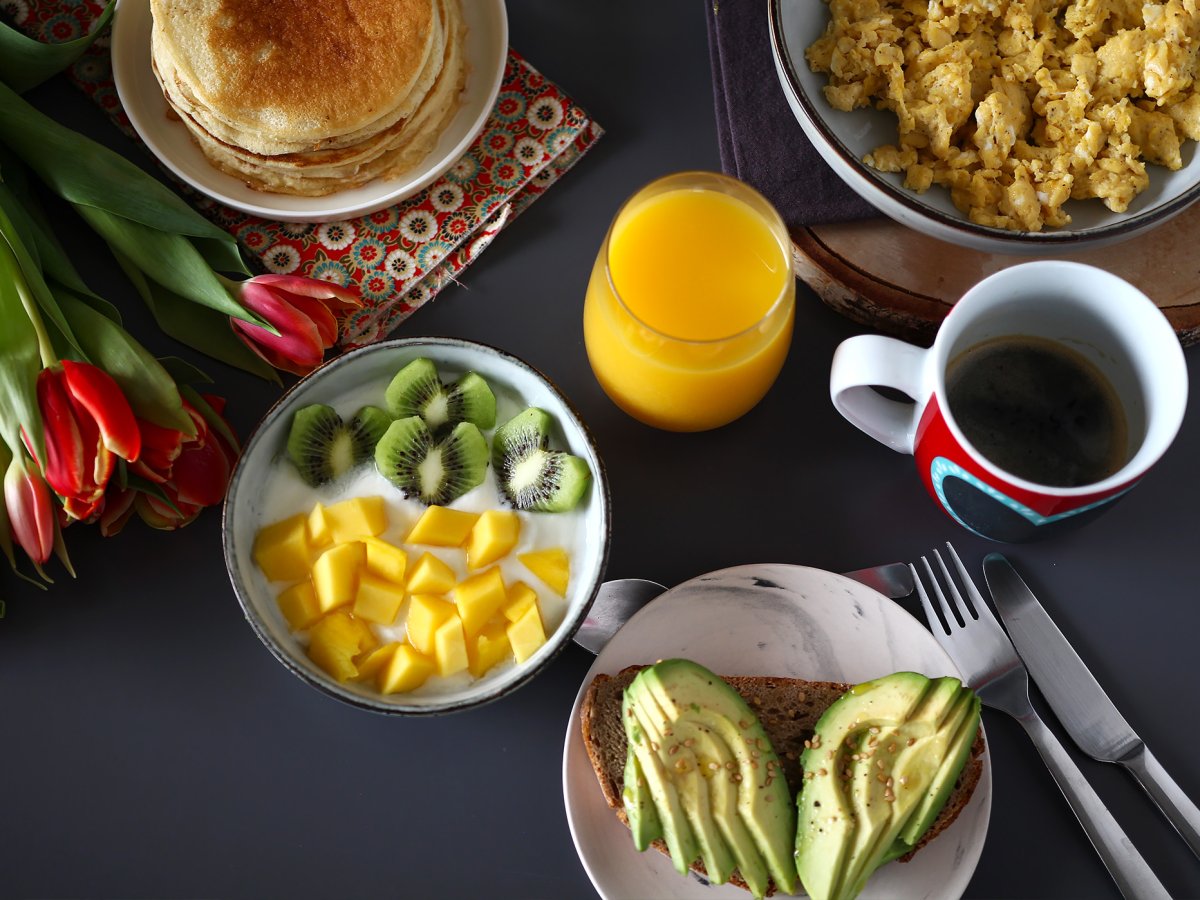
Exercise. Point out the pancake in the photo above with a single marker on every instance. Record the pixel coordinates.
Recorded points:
(267, 137)
(179, 94)
(297, 70)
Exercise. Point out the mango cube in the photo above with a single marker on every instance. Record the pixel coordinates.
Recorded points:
(492, 537)
(425, 615)
(320, 534)
(281, 550)
(335, 574)
(299, 605)
(487, 648)
(407, 670)
(430, 576)
(551, 566)
(450, 647)
(356, 518)
(385, 560)
(377, 600)
(479, 598)
(526, 634)
(336, 640)
(373, 663)
(520, 598)
(442, 527)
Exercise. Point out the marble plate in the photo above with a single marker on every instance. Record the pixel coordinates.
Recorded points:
(755, 620)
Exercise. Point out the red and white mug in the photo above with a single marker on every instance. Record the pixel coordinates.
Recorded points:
(1106, 319)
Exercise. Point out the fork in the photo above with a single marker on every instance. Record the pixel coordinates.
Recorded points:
(989, 663)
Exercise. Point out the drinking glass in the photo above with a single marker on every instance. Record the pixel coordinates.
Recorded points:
(690, 307)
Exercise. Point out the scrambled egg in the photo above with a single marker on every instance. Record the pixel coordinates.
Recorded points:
(1018, 105)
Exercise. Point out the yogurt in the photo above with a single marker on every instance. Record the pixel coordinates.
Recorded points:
(285, 494)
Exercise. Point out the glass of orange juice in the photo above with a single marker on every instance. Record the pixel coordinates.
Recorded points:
(690, 306)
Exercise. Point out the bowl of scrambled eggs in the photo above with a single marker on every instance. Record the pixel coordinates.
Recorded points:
(1012, 126)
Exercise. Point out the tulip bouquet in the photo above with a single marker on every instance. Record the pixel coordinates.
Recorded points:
(93, 428)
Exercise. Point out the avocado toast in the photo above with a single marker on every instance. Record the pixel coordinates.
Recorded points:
(789, 711)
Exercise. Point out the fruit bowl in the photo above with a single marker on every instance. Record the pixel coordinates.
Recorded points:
(267, 488)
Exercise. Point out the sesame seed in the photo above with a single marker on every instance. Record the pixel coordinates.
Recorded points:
(822, 772)
(737, 776)
(879, 763)
(873, 729)
(808, 745)
(892, 747)
(714, 766)
(911, 741)
(690, 742)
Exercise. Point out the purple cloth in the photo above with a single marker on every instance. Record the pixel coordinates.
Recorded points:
(761, 142)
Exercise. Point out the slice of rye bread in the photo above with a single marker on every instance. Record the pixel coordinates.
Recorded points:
(788, 709)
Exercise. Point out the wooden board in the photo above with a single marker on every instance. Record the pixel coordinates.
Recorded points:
(901, 282)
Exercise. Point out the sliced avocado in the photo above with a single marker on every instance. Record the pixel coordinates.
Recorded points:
(888, 778)
(686, 690)
(837, 815)
(681, 842)
(681, 761)
(957, 752)
(639, 806)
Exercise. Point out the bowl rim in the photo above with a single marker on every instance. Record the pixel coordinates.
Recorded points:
(563, 633)
(908, 199)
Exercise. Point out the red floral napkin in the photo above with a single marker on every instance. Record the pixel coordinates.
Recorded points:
(399, 257)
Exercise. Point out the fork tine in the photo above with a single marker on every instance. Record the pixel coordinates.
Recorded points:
(943, 604)
(963, 611)
(931, 618)
(981, 607)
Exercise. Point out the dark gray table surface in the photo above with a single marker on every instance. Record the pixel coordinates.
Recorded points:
(151, 747)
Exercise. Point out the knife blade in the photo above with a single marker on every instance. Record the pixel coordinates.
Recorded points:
(1078, 700)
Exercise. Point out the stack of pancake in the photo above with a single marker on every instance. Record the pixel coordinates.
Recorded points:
(309, 97)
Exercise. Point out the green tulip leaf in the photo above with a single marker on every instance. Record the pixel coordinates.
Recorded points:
(196, 326)
(31, 275)
(87, 174)
(20, 362)
(183, 371)
(169, 260)
(26, 63)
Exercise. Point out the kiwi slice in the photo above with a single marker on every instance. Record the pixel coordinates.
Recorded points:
(417, 390)
(434, 470)
(323, 447)
(532, 476)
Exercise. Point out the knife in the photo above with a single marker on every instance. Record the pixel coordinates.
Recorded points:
(1077, 698)
(618, 600)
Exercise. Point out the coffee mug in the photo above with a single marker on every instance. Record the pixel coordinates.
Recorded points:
(1089, 312)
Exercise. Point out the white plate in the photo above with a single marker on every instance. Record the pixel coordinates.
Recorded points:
(168, 139)
(766, 620)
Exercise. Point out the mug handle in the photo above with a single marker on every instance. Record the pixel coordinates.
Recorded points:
(871, 359)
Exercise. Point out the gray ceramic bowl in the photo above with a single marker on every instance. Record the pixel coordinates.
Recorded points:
(247, 505)
(843, 138)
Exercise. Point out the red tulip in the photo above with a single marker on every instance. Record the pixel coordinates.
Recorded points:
(86, 421)
(191, 472)
(30, 509)
(305, 311)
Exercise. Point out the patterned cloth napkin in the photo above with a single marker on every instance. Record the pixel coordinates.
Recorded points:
(400, 257)
(761, 141)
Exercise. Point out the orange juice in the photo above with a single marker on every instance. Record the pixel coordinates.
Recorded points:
(690, 306)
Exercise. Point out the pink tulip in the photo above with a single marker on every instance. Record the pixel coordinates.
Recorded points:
(305, 311)
(30, 509)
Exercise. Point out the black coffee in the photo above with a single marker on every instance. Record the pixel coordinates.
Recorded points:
(1039, 410)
